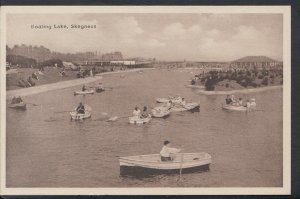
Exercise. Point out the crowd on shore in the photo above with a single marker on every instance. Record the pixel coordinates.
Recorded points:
(242, 78)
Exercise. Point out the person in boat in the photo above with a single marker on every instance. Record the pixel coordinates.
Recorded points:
(169, 105)
(183, 102)
(248, 105)
(228, 100)
(233, 100)
(80, 108)
(99, 87)
(84, 88)
(145, 113)
(253, 103)
(166, 151)
(16, 100)
(193, 82)
(240, 102)
(136, 112)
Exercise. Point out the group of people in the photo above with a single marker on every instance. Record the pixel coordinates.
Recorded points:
(140, 115)
(16, 100)
(63, 73)
(26, 83)
(175, 101)
(84, 73)
(233, 101)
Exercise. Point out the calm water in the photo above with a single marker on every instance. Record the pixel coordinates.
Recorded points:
(46, 149)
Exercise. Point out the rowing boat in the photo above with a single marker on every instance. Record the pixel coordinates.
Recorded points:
(136, 120)
(193, 106)
(80, 116)
(18, 106)
(165, 100)
(160, 112)
(234, 108)
(152, 162)
(99, 90)
(84, 92)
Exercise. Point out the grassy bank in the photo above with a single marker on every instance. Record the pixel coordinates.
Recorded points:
(51, 75)
(62, 85)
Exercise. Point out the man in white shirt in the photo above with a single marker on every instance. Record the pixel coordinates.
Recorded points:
(183, 102)
(253, 103)
(136, 112)
(166, 151)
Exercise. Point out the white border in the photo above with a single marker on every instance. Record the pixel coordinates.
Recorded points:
(285, 190)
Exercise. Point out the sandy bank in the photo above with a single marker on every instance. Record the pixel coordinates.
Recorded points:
(252, 90)
(62, 84)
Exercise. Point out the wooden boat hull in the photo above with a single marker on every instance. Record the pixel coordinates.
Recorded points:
(89, 92)
(160, 112)
(141, 172)
(79, 116)
(134, 120)
(234, 108)
(19, 106)
(193, 107)
(165, 100)
(180, 161)
(99, 90)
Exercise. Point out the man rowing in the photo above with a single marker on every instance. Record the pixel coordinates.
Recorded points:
(80, 109)
(166, 151)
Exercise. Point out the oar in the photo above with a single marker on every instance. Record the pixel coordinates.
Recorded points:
(112, 119)
(31, 103)
(63, 111)
(180, 172)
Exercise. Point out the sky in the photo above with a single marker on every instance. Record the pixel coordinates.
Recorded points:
(169, 37)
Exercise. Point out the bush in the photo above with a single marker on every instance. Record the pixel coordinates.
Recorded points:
(265, 81)
(21, 61)
(210, 85)
(253, 84)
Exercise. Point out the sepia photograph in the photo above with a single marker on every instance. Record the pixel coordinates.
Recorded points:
(148, 100)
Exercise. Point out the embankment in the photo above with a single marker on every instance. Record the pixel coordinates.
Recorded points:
(252, 90)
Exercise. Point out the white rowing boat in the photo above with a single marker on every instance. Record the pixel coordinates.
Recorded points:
(136, 120)
(153, 161)
(160, 112)
(84, 92)
(165, 100)
(18, 106)
(234, 108)
(238, 108)
(80, 116)
(193, 106)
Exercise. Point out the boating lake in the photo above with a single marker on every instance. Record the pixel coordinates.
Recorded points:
(46, 149)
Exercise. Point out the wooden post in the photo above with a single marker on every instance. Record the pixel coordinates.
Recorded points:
(181, 166)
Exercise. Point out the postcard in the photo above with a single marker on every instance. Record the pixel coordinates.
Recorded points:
(146, 100)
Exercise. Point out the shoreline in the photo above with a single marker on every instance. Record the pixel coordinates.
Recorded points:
(251, 90)
(64, 84)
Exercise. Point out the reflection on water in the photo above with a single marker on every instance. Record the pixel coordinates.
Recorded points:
(46, 149)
